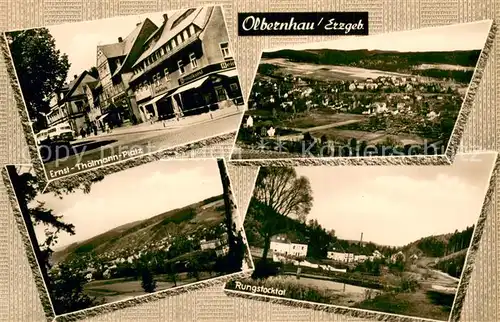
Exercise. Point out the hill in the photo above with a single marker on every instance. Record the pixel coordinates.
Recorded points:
(430, 64)
(130, 238)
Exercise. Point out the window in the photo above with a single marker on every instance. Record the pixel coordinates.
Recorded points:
(192, 59)
(179, 39)
(224, 48)
(192, 31)
(174, 43)
(221, 93)
(167, 75)
(185, 34)
(181, 67)
(169, 47)
(234, 87)
(158, 78)
(162, 51)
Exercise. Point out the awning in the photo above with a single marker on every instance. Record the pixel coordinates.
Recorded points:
(229, 73)
(102, 117)
(154, 99)
(192, 85)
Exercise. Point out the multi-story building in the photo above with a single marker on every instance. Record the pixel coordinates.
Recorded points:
(284, 245)
(71, 105)
(186, 67)
(114, 62)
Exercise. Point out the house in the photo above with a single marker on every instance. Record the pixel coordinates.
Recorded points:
(220, 245)
(399, 256)
(70, 104)
(340, 256)
(186, 66)
(114, 64)
(360, 258)
(285, 245)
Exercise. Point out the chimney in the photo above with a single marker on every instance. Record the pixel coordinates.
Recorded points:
(137, 24)
(120, 39)
(165, 17)
(75, 76)
(361, 240)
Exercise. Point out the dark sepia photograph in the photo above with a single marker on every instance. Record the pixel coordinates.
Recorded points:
(394, 94)
(389, 240)
(158, 226)
(98, 92)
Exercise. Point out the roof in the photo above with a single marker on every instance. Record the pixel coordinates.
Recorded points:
(287, 239)
(123, 48)
(83, 78)
(170, 29)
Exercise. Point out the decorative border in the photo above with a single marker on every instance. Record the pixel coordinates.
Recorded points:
(458, 302)
(114, 306)
(36, 158)
(283, 158)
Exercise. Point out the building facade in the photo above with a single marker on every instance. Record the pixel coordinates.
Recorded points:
(70, 104)
(114, 62)
(186, 67)
(283, 245)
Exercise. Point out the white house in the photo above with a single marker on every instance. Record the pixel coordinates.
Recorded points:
(360, 258)
(283, 245)
(340, 257)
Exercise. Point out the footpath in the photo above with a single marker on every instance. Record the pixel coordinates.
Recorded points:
(171, 124)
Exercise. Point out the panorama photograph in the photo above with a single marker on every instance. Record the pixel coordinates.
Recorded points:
(98, 92)
(158, 226)
(381, 95)
(386, 239)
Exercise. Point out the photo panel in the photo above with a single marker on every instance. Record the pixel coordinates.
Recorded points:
(376, 242)
(130, 237)
(98, 92)
(356, 99)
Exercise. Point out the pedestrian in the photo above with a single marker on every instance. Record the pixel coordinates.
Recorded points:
(106, 127)
(95, 129)
(82, 133)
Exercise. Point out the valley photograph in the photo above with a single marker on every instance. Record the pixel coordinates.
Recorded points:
(150, 228)
(387, 239)
(381, 95)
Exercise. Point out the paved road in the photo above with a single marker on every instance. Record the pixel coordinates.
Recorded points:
(119, 147)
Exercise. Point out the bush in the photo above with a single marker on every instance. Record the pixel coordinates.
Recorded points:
(265, 268)
(148, 283)
(408, 285)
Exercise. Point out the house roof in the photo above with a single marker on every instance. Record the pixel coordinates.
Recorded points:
(172, 27)
(287, 239)
(83, 78)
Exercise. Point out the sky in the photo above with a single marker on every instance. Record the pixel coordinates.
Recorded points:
(80, 40)
(133, 194)
(466, 36)
(396, 205)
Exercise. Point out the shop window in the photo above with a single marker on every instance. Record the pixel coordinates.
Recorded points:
(180, 64)
(221, 93)
(193, 60)
(224, 48)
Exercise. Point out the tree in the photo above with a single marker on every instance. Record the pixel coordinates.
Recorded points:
(67, 291)
(93, 72)
(280, 192)
(148, 283)
(40, 67)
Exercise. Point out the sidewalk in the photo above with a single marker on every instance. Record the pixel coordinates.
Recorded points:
(170, 124)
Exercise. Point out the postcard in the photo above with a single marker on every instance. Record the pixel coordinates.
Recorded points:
(374, 241)
(151, 230)
(398, 94)
(103, 91)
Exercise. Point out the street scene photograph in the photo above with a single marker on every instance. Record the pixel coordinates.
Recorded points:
(102, 91)
(386, 239)
(163, 225)
(388, 94)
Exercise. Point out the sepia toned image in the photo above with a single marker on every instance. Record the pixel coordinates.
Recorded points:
(99, 92)
(395, 94)
(381, 239)
(160, 226)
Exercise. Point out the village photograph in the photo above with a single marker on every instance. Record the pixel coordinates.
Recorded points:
(158, 226)
(387, 239)
(381, 95)
(101, 91)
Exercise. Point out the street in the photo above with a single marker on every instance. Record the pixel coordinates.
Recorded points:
(99, 150)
